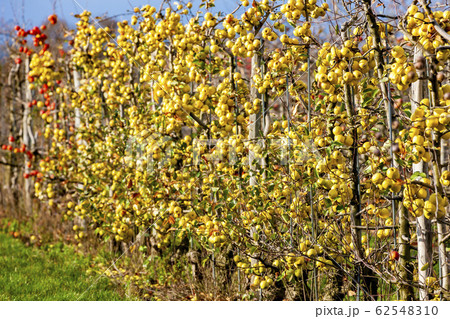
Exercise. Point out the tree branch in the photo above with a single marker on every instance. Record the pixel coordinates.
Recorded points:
(196, 119)
(8, 164)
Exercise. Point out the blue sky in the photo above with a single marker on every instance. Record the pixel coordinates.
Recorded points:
(32, 12)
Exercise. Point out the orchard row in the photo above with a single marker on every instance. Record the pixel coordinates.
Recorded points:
(141, 121)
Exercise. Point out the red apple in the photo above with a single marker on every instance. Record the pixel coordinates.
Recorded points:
(53, 19)
(394, 255)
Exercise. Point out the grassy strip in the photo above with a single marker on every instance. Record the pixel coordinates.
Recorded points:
(57, 274)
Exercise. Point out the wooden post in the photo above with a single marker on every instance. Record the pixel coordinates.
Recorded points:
(28, 140)
(436, 163)
(423, 228)
(442, 231)
(12, 172)
(76, 85)
(254, 133)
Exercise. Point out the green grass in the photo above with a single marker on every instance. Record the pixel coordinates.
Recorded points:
(28, 273)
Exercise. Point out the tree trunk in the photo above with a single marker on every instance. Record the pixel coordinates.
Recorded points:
(405, 266)
(404, 235)
(369, 281)
(334, 289)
